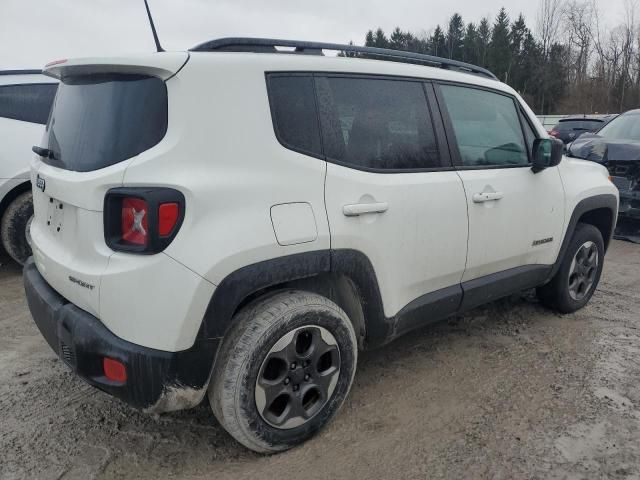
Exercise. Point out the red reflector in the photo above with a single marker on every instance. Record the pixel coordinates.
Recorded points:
(167, 218)
(135, 221)
(114, 370)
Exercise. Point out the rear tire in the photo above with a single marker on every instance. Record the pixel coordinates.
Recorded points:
(268, 390)
(13, 227)
(573, 285)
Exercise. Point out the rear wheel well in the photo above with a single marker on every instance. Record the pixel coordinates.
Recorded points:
(338, 288)
(13, 194)
(602, 219)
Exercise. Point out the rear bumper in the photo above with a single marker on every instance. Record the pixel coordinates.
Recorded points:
(157, 381)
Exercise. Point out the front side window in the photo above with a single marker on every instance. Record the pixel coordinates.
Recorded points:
(27, 102)
(376, 124)
(486, 126)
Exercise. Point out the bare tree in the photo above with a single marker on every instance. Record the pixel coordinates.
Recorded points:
(548, 21)
(579, 21)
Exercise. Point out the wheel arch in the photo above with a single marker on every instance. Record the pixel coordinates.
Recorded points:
(13, 194)
(601, 211)
(346, 277)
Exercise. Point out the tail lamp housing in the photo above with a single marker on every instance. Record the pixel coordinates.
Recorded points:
(142, 220)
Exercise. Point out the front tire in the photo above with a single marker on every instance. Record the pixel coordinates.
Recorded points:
(14, 227)
(573, 285)
(284, 370)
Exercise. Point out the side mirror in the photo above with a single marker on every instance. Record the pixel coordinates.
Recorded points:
(547, 152)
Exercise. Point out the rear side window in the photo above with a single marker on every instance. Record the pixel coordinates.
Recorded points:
(101, 120)
(486, 127)
(27, 102)
(293, 109)
(376, 124)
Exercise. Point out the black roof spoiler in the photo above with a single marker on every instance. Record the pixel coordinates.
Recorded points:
(268, 45)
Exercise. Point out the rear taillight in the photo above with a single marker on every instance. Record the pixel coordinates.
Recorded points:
(135, 221)
(142, 220)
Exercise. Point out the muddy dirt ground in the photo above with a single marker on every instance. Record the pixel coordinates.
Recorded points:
(510, 390)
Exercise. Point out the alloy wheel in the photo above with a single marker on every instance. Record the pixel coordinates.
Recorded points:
(297, 377)
(582, 273)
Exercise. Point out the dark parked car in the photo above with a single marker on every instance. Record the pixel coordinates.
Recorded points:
(617, 146)
(570, 128)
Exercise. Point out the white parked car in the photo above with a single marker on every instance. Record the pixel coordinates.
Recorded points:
(242, 220)
(25, 101)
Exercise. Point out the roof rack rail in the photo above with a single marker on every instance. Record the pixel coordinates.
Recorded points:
(19, 72)
(268, 45)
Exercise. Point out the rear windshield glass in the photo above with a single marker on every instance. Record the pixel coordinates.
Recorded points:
(568, 125)
(100, 120)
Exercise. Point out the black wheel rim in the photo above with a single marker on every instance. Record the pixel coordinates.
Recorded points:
(297, 377)
(582, 274)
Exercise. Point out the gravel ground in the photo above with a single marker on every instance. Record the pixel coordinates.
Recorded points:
(510, 390)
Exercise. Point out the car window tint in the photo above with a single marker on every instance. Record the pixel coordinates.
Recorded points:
(294, 112)
(486, 126)
(376, 123)
(27, 102)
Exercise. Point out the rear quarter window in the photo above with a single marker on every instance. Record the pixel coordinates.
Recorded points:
(27, 102)
(293, 110)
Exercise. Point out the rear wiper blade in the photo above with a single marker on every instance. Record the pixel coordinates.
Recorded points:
(43, 152)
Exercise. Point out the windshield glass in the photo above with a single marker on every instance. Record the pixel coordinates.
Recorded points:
(100, 120)
(624, 127)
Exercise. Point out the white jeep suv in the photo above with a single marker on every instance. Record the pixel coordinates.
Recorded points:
(242, 218)
(25, 101)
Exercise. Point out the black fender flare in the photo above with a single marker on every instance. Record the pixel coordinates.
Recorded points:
(251, 279)
(608, 201)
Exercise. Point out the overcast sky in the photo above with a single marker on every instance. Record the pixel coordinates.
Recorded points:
(34, 32)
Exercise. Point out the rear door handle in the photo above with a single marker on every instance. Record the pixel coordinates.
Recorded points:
(362, 208)
(486, 197)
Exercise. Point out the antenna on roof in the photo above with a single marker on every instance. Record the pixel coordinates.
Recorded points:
(153, 28)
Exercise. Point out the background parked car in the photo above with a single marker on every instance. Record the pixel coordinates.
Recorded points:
(570, 128)
(617, 146)
(26, 97)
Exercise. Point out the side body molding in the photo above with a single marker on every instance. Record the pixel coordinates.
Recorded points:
(247, 282)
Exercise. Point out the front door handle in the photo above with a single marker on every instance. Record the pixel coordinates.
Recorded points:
(486, 197)
(362, 208)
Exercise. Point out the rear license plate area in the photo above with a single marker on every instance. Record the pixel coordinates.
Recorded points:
(55, 216)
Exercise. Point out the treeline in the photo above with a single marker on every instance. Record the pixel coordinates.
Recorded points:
(569, 65)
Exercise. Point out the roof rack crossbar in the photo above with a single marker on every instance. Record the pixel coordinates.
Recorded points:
(268, 45)
(20, 72)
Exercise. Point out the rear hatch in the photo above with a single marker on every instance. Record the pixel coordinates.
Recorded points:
(106, 113)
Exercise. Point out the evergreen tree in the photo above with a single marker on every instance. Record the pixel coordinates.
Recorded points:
(398, 40)
(470, 49)
(455, 35)
(499, 48)
(437, 43)
(484, 38)
(517, 36)
(380, 39)
(369, 39)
